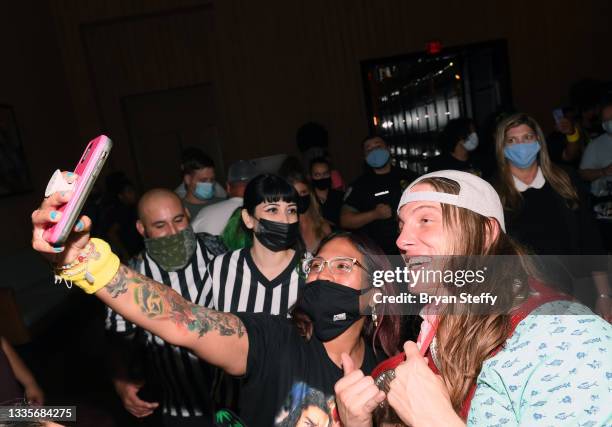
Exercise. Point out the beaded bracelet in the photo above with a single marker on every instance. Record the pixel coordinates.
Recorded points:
(81, 258)
(100, 266)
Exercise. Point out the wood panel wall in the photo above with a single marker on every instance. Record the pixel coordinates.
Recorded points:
(276, 64)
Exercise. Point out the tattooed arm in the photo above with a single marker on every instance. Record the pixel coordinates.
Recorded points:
(218, 338)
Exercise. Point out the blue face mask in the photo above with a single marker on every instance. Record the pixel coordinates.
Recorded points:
(471, 142)
(204, 190)
(377, 158)
(522, 155)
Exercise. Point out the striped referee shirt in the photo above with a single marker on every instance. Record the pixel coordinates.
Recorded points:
(235, 284)
(185, 379)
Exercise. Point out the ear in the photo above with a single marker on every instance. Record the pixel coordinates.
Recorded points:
(247, 219)
(227, 187)
(140, 228)
(493, 231)
(187, 179)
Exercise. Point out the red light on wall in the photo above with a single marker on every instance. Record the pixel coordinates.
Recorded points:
(433, 47)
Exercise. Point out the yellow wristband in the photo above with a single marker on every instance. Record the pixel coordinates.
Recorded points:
(102, 266)
(573, 137)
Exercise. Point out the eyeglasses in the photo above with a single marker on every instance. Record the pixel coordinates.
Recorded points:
(336, 266)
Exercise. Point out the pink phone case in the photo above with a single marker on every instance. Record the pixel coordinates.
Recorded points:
(87, 170)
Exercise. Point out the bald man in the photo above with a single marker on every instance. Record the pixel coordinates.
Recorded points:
(161, 213)
(176, 256)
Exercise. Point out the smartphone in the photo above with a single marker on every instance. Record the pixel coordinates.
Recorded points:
(558, 114)
(87, 170)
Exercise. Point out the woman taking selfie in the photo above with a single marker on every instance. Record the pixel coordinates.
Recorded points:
(521, 367)
(281, 360)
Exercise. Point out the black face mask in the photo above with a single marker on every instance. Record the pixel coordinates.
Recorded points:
(322, 184)
(333, 308)
(303, 203)
(277, 236)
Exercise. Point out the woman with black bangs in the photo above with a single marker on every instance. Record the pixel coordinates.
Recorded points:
(271, 353)
(264, 277)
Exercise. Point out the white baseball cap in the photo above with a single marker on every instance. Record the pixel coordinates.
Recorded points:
(475, 194)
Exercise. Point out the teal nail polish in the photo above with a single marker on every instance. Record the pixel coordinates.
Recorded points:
(58, 249)
(53, 215)
(70, 174)
(62, 194)
(79, 226)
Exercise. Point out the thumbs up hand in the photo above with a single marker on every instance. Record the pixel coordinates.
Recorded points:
(356, 395)
(418, 396)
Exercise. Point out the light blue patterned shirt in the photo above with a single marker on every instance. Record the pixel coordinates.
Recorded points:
(555, 370)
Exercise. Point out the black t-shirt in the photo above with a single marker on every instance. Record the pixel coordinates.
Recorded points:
(371, 189)
(540, 224)
(448, 162)
(288, 377)
(548, 226)
(556, 143)
(330, 210)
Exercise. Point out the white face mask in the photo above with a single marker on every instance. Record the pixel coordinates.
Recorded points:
(471, 142)
(607, 126)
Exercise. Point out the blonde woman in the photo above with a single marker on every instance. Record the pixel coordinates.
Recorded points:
(313, 227)
(516, 366)
(545, 208)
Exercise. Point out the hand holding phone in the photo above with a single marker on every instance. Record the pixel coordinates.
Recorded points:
(86, 171)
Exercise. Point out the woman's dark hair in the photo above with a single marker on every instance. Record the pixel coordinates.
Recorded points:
(455, 131)
(193, 158)
(314, 398)
(296, 176)
(290, 165)
(116, 183)
(372, 136)
(387, 335)
(310, 135)
(267, 188)
(318, 160)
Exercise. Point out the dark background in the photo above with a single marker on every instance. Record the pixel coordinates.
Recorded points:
(248, 73)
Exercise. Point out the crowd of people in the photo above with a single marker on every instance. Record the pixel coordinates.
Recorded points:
(252, 303)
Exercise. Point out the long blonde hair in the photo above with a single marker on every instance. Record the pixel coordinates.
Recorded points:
(559, 180)
(314, 210)
(465, 338)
